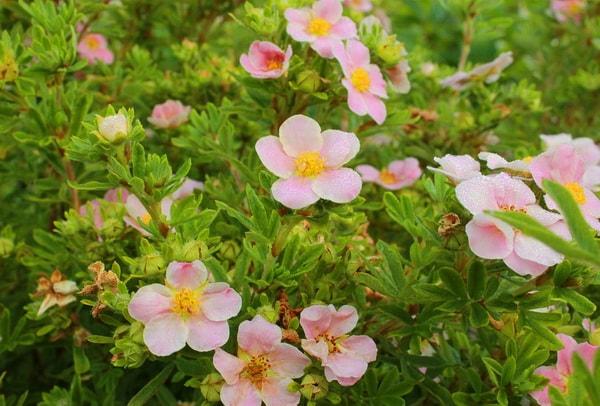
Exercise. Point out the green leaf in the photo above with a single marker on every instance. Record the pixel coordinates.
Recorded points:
(476, 280)
(508, 371)
(544, 333)
(80, 361)
(146, 393)
(453, 282)
(579, 302)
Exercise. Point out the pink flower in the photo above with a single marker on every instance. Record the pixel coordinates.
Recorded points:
(323, 26)
(399, 77)
(491, 238)
(170, 114)
(363, 80)
(263, 368)
(116, 195)
(563, 164)
(92, 208)
(137, 213)
(457, 167)
(558, 375)
(310, 163)
(397, 175)
(495, 161)
(359, 5)
(568, 10)
(588, 325)
(93, 48)
(585, 147)
(488, 73)
(266, 60)
(186, 189)
(188, 309)
(344, 357)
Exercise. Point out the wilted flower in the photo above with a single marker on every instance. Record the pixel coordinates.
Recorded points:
(457, 167)
(323, 26)
(310, 163)
(399, 77)
(93, 48)
(565, 10)
(558, 375)
(359, 5)
(170, 114)
(188, 309)
(137, 212)
(397, 175)
(491, 238)
(263, 369)
(112, 128)
(56, 290)
(363, 80)
(495, 161)
(266, 60)
(488, 73)
(344, 357)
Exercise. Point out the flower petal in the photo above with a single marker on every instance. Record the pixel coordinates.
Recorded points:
(329, 10)
(295, 192)
(533, 250)
(339, 147)
(361, 347)
(272, 156)
(339, 185)
(490, 238)
(317, 349)
(165, 334)
(220, 302)
(346, 366)
(150, 301)
(368, 173)
(258, 336)
(343, 321)
(375, 107)
(523, 266)
(186, 274)
(229, 366)
(240, 394)
(288, 361)
(275, 393)
(315, 320)
(206, 335)
(300, 134)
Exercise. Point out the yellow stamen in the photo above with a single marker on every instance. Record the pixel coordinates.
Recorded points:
(332, 343)
(319, 27)
(577, 192)
(387, 177)
(309, 164)
(185, 302)
(360, 80)
(146, 218)
(274, 64)
(511, 207)
(527, 159)
(92, 43)
(256, 370)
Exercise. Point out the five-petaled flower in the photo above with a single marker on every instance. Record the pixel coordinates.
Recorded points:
(565, 10)
(188, 309)
(310, 163)
(363, 80)
(263, 368)
(457, 167)
(397, 175)
(558, 375)
(266, 60)
(344, 357)
(93, 48)
(170, 114)
(56, 290)
(323, 26)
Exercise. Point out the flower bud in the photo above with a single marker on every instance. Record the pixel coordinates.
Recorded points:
(308, 81)
(113, 128)
(230, 250)
(210, 387)
(314, 387)
(390, 50)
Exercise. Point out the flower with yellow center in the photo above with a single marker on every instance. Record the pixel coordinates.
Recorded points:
(186, 303)
(256, 370)
(319, 27)
(332, 343)
(146, 218)
(309, 164)
(92, 43)
(274, 64)
(577, 192)
(360, 79)
(387, 177)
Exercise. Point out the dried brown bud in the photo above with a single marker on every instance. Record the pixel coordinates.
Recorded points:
(448, 224)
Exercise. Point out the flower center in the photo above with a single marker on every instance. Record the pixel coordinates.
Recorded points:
(256, 370)
(319, 27)
(360, 79)
(527, 159)
(577, 192)
(185, 302)
(512, 207)
(309, 164)
(274, 64)
(146, 218)
(332, 343)
(92, 43)
(387, 177)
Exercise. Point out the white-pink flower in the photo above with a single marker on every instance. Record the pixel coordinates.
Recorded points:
(585, 147)
(558, 375)
(363, 80)
(266, 60)
(188, 309)
(491, 238)
(309, 163)
(359, 5)
(137, 214)
(457, 167)
(565, 165)
(488, 73)
(565, 10)
(344, 357)
(93, 48)
(170, 114)
(397, 175)
(323, 26)
(263, 368)
(495, 161)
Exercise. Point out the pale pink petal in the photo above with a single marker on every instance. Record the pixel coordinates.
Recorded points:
(343, 321)
(287, 361)
(298, 31)
(298, 16)
(458, 167)
(315, 320)
(345, 28)
(300, 134)
(275, 393)
(591, 207)
(165, 334)
(358, 53)
(339, 147)
(564, 363)
(325, 46)
(186, 274)
(228, 366)
(375, 107)
(186, 189)
(368, 173)
(295, 192)
(258, 336)
(106, 56)
(362, 347)
(477, 195)
(356, 100)
(220, 302)
(206, 335)
(533, 250)
(150, 301)
(273, 157)
(344, 381)
(329, 10)
(542, 396)
(346, 366)
(509, 191)
(545, 217)
(523, 266)
(587, 352)
(489, 238)
(240, 394)
(317, 349)
(406, 171)
(551, 373)
(378, 85)
(339, 185)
